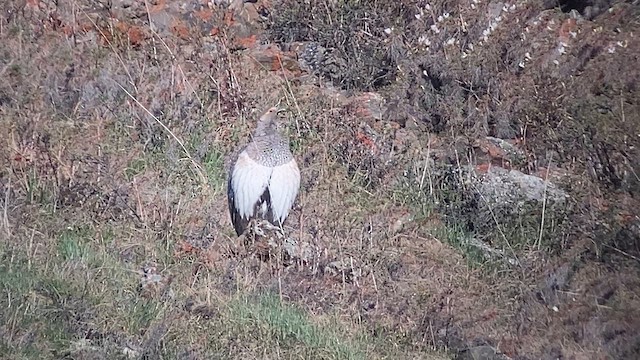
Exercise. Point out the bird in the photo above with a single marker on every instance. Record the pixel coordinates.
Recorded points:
(264, 179)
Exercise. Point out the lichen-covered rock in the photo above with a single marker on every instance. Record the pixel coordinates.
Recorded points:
(510, 187)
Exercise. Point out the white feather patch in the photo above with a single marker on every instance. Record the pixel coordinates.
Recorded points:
(249, 180)
(283, 187)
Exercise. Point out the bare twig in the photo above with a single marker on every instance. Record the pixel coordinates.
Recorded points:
(623, 252)
(495, 219)
(5, 216)
(427, 169)
(544, 203)
(6, 67)
(622, 108)
(112, 49)
(290, 91)
(197, 166)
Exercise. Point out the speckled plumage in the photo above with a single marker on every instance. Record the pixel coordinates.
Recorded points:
(264, 179)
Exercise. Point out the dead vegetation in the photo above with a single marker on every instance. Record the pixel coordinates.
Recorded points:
(418, 128)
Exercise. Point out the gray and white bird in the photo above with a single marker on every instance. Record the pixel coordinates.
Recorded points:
(264, 179)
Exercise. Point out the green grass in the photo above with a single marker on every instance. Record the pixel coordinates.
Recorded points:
(136, 167)
(51, 302)
(33, 308)
(48, 301)
(78, 284)
(426, 205)
(467, 220)
(287, 326)
(71, 245)
(213, 164)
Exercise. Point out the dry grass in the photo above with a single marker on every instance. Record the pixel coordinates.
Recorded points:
(116, 241)
(115, 234)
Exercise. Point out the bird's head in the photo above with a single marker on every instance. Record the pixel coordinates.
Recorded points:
(271, 114)
(268, 123)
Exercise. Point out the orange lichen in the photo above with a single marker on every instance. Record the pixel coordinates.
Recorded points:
(246, 42)
(204, 15)
(180, 29)
(366, 141)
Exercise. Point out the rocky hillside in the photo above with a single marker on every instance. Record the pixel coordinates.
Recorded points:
(470, 179)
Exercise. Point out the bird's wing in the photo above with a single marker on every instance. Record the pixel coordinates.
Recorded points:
(283, 187)
(247, 183)
(239, 224)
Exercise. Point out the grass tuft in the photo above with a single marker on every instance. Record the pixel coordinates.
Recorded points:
(288, 326)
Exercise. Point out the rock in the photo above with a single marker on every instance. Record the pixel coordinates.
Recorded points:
(502, 149)
(299, 250)
(368, 105)
(154, 284)
(501, 210)
(502, 186)
(344, 269)
(272, 58)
